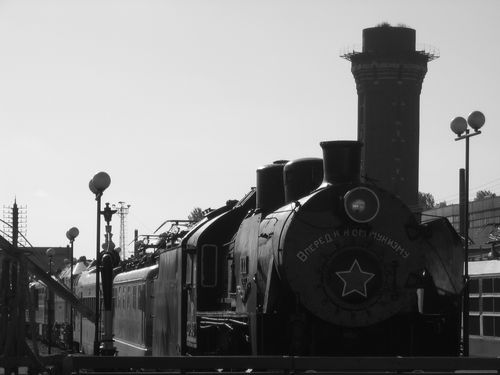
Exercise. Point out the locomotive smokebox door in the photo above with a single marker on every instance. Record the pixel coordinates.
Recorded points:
(350, 265)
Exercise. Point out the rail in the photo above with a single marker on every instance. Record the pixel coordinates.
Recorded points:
(278, 365)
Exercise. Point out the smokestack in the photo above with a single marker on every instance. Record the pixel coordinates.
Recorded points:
(301, 177)
(270, 188)
(341, 161)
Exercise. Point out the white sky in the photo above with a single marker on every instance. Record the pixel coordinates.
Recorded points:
(181, 101)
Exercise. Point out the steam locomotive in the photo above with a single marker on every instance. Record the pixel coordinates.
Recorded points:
(313, 261)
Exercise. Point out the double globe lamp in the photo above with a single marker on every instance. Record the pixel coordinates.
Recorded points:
(460, 126)
(71, 234)
(97, 185)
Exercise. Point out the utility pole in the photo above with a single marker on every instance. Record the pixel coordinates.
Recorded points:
(15, 217)
(13, 295)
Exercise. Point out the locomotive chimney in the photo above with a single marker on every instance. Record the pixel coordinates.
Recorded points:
(301, 177)
(341, 161)
(270, 188)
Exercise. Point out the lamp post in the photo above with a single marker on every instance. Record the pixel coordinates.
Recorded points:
(50, 253)
(97, 185)
(108, 261)
(460, 127)
(71, 234)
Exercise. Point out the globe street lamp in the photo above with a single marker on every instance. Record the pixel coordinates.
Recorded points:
(50, 253)
(97, 185)
(107, 264)
(460, 127)
(71, 234)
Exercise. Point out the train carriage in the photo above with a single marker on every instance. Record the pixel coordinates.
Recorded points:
(39, 295)
(84, 329)
(133, 315)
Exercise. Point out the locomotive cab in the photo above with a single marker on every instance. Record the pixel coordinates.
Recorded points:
(212, 324)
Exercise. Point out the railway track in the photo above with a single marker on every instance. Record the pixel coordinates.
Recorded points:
(279, 365)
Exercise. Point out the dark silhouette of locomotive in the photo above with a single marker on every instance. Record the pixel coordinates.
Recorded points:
(311, 262)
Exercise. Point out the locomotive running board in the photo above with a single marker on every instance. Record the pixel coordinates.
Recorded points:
(280, 365)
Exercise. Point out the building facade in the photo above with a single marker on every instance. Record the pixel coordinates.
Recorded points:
(484, 225)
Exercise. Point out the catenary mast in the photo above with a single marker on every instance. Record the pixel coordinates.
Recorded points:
(122, 209)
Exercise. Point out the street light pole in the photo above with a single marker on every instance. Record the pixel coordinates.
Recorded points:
(71, 234)
(97, 278)
(50, 319)
(107, 284)
(459, 126)
(97, 185)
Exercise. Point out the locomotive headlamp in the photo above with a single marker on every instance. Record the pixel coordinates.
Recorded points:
(361, 204)
(358, 205)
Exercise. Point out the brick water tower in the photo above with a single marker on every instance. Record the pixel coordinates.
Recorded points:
(389, 72)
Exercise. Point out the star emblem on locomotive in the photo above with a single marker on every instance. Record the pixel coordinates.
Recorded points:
(355, 280)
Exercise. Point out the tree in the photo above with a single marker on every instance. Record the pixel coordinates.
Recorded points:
(484, 194)
(426, 201)
(196, 214)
